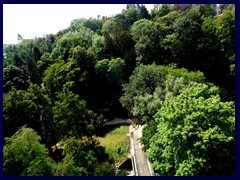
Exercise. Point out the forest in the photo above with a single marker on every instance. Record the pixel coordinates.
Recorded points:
(171, 69)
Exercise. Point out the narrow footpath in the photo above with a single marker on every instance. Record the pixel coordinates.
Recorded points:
(143, 167)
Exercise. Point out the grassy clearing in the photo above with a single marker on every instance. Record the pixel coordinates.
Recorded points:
(116, 143)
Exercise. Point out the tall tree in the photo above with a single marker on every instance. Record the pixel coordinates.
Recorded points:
(160, 10)
(24, 155)
(31, 108)
(72, 117)
(191, 129)
(147, 36)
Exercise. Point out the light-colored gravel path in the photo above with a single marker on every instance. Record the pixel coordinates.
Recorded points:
(142, 165)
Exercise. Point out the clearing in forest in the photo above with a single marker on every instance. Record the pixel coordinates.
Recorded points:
(116, 143)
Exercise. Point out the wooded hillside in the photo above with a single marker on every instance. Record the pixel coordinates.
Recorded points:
(172, 68)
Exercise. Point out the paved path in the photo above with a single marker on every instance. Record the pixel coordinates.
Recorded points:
(143, 166)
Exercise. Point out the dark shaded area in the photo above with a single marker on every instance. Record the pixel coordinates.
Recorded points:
(126, 165)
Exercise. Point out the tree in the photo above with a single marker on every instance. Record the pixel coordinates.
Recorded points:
(226, 34)
(113, 70)
(191, 129)
(218, 51)
(81, 57)
(101, 67)
(130, 15)
(98, 48)
(71, 116)
(146, 78)
(14, 77)
(76, 23)
(187, 28)
(83, 157)
(116, 70)
(118, 40)
(31, 108)
(24, 155)
(207, 10)
(94, 24)
(117, 37)
(160, 10)
(147, 35)
(58, 74)
(226, 7)
(144, 12)
(181, 7)
(45, 44)
(143, 80)
(44, 62)
(80, 37)
(30, 54)
(10, 56)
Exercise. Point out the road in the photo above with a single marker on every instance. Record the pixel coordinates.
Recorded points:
(142, 164)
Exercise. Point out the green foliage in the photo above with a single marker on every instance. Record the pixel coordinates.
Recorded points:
(131, 15)
(226, 34)
(82, 37)
(25, 57)
(44, 62)
(68, 168)
(148, 133)
(207, 10)
(81, 57)
(10, 56)
(116, 143)
(101, 67)
(192, 127)
(71, 116)
(58, 74)
(145, 79)
(14, 77)
(146, 106)
(98, 47)
(45, 44)
(226, 7)
(76, 23)
(116, 33)
(94, 24)
(31, 108)
(104, 170)
(82, 157)
(187, 29)
(168, 19)
(121, 173)
(160, 10)
(144, 12)
(24, 155)
(146, 35)
(29, 55)
(84, 66)
(116, 70)
(113, 70)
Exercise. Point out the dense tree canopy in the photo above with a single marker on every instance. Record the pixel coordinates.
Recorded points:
(25, 156)
(192, 128)
(171, 69)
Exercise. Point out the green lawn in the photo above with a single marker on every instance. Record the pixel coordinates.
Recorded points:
(116, 143)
